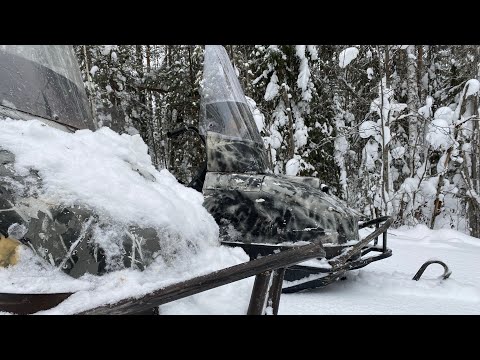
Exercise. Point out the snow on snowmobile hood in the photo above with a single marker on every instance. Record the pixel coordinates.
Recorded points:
(43, 81)
(92, 202)
(233, 141)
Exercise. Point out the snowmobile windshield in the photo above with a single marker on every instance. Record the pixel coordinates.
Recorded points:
(44, 81)
(233, 141)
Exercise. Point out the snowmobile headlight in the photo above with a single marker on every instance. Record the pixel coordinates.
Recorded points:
(9, 251)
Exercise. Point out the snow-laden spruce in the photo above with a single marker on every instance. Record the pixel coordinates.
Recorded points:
(112, 176)
(347, 56)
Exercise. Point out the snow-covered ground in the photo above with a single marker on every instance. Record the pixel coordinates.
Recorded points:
(383, 287)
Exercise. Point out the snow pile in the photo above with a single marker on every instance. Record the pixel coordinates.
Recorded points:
(292, 167)
(110, 173)
(272, 88)
(472, 87)
(257, 115)
(370, 154)
(312, 51)
(426, 110)
(301, 131)
(93, 70)
(303, 81)
(112, 176)
(445, 113)
(439, 133)
(347, 56)
(368, 128)
(370, 73)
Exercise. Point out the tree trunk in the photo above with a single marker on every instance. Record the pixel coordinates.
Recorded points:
(420, 72)
(169, 55)
(414, 143)
(473, 206)
(387, 66)
(291, 142)
(232, 57)
(467, 107)
(190, 69)
(437, 204)
(474, 209)
(384, 124)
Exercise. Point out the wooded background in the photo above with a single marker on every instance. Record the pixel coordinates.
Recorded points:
(392, 129)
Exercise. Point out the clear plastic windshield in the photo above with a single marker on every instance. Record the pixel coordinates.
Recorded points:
(44, 81)
(233, 141)
(224, 108)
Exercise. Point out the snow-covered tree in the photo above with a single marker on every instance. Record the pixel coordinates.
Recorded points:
(283, 78)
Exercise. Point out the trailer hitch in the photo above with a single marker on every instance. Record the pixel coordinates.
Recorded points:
(446, 271)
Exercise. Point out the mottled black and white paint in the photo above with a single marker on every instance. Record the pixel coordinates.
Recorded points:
(274, 209)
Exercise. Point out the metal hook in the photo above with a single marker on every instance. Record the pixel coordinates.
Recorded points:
(446, 273)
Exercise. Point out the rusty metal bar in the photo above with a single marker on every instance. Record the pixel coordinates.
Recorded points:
(260, 292)
(276, 289)
(341, 259)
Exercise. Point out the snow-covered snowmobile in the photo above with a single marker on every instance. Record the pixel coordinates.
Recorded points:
(262, 212)
(41, 82)
(269, 215)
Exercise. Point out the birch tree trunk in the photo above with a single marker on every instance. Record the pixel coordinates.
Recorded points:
(414, 143)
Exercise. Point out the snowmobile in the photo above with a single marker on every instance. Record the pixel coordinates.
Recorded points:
(262, 212)
(297, 234)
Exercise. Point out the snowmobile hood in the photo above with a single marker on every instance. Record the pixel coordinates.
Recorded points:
(233, 140)
(43, 81)
(274, 209)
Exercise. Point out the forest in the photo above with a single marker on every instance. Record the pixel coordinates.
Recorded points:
(391, 129)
